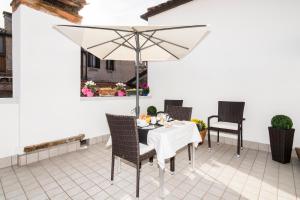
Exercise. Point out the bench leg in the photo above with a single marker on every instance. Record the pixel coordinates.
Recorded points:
(151, 161)
(172, 165)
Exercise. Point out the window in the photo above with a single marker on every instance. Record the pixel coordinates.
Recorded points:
(93, 61)
(6, 78)
(110, 65)
(2, 46)
(106, 78)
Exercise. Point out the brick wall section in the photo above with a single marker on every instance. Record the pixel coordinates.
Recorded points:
(8, 40)
(67, 9)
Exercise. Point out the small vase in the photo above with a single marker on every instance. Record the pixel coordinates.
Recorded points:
(153, 120)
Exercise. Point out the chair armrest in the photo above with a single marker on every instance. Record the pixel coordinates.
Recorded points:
(210, 117)
(241, 122)
(213, 116)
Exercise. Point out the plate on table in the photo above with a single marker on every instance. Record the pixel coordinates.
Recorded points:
(141, 123)
(149, 127)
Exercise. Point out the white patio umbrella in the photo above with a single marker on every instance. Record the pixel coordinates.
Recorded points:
(136, 43)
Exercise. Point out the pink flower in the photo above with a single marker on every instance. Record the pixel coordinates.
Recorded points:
(144, 86)
(84, 90)
(121, 93)
(89, 93)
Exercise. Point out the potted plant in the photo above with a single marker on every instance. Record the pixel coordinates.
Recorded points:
(145, 89)
(201, 127)
(281, 138)
(121, 89)
(89, 89)
(152, 111)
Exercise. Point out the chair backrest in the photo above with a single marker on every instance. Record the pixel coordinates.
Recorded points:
(124, 135)
(229, 111)
(169, 102)
(179, 112)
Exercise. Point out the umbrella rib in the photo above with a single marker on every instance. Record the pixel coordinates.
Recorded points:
(131, 34)
(117, 47)
(125, 39)
(148, 39)
(124, 45)
(172, 28)
(172, 43)
(151, 45)
(160, 46)
(93, 27)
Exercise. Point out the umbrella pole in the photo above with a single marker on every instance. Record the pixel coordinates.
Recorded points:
(137, 65)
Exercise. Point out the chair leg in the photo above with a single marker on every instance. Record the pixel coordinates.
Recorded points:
(172, 165)
(112, 167)
(140, 165)
(209, 144)
(137, 181)
(151, 160)
(238, 144)
(189, 152)
(218, 137)
(242, 137)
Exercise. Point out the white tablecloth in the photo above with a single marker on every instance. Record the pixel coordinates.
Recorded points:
(167, 141)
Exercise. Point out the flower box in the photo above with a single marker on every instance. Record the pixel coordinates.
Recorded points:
(106, 92)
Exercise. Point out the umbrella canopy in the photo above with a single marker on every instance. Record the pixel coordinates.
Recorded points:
(136, 43)
(157, 43)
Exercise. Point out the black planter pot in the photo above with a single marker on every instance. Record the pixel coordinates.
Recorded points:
(281, 142)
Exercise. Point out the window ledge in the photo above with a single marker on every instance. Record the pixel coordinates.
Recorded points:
(113, 98)
(8, 100)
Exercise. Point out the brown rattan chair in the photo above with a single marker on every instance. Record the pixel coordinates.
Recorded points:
(180, 113)
(173, 102)
(230, 120)
(125, 144)
(183, 114)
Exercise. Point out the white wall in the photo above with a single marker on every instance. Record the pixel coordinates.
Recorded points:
(50, 103)
(9, 118)
(252, 54)
(9, 128)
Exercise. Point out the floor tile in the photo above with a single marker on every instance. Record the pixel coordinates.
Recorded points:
(218, 174)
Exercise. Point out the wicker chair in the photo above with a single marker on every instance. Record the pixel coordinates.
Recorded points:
(125, 144)
(183, 114)
(230, 120)
(169, 102)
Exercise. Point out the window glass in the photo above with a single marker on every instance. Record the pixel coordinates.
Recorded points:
(1, 44)
(110, 65)
(115, 78)
(6, 75)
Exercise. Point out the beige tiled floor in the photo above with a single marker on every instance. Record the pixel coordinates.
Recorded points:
(218, 175)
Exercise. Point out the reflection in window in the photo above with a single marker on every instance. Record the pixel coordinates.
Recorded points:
(6, 78)
(93, 61)
(110, 65)
(2, 49)
(107, 73)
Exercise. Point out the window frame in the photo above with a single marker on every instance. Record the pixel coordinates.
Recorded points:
(2, 39)
(93, 61)
(110, 65)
